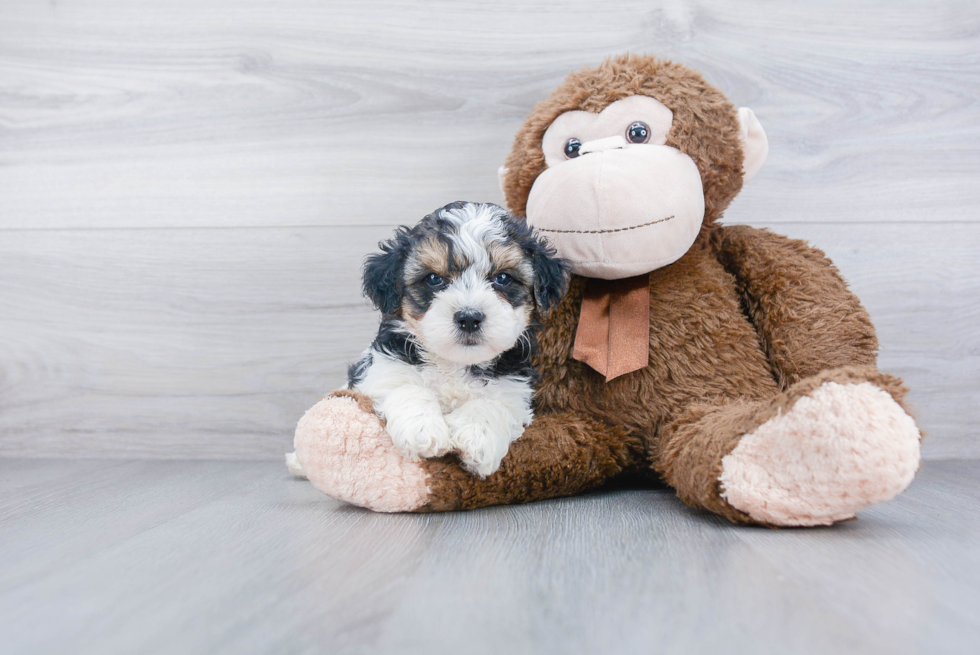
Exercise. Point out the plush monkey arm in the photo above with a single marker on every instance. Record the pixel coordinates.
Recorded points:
(345, 451)
(558, 455)
(807, 319)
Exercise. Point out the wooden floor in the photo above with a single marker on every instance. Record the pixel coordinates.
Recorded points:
(102, 556)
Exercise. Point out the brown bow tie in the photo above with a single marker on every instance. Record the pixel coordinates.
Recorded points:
(613, 334)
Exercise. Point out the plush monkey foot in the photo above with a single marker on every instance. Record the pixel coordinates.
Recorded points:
(346, 453)
(839, 449)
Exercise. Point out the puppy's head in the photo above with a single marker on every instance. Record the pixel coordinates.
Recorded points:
(466, 281)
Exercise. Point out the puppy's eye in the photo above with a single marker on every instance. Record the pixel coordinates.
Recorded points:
(571, 148)
(434, 280)
(502, 279)
(638, 132)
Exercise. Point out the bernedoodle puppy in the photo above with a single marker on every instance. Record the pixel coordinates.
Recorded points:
(450, 369)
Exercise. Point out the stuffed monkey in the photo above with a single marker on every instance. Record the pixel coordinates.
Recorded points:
(729, 362)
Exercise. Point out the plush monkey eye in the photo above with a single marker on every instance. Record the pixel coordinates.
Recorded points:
(503, 279)
(434, 280)
(638, 132)
(571, 148)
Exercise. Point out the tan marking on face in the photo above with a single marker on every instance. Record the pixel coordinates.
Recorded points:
(411, 319)
(433, 254)
(430, 255)
(505, 256)
(510, 257)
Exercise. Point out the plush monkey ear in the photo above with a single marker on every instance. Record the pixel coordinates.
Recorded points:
(382, 281)
(755, 145)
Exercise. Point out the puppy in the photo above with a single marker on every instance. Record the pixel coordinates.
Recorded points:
(450, 369)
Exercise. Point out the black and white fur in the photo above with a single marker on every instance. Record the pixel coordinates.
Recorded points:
(450, 369)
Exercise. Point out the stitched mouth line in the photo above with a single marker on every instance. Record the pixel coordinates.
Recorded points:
(618, 229)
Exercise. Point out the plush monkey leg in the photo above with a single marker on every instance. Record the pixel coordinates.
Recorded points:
(829, 446)
(346, 453)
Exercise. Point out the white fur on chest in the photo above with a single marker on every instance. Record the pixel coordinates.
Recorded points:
(442, 407)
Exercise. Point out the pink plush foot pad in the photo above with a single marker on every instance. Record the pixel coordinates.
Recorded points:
(837, 451)
(346, 453)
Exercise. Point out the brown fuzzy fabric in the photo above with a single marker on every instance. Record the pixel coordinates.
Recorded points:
(741, 327)
(560, 455)
(693, 446)
(803, 331)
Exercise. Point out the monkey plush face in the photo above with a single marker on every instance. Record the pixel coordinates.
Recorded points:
(623, 164)
(615, 199)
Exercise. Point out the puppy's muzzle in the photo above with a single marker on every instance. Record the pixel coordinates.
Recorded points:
(468, 321)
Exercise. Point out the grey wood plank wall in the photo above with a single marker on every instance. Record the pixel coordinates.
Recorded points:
(187, 188)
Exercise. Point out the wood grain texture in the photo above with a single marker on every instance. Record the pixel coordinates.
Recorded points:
(236, 557)
(187, 188)
(224, 112)
(211, 343)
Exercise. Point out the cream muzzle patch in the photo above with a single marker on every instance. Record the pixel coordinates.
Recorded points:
(616, 208)
(621, 212)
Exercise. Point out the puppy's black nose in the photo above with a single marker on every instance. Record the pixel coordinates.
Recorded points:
(468, 320)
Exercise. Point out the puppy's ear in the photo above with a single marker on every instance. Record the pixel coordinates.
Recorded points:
(551, 275)
(382, 280)
(551, 272)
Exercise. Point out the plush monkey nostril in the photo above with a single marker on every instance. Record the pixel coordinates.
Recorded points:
(468, 320)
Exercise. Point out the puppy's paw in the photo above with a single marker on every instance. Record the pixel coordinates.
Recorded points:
(481, 441)
(478, 450)
(420, 431)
